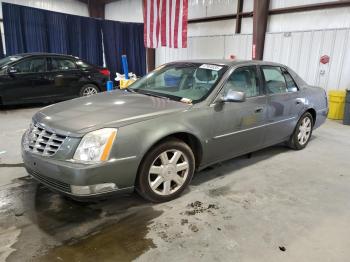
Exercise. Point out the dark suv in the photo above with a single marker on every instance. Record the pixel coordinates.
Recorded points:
(43, 77)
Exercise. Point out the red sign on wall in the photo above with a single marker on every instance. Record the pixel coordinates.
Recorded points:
(324, 59)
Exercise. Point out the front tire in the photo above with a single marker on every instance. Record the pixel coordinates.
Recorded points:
(88, 90)
(165, 171)
(302, 132)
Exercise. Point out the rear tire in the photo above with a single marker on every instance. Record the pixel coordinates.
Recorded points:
(165, 171)
(302, 133)
(88, 90)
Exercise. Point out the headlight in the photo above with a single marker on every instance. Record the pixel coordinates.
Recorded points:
(96, 146)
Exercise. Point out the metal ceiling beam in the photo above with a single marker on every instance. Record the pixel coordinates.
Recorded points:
(219, 18)
(98, 1)
(310, 7)
(276, 11)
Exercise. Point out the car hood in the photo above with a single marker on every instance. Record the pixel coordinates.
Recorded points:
(109, 109)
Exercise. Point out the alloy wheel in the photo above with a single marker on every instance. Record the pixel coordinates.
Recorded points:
(88, 91)
(304, 131)
(168, 172)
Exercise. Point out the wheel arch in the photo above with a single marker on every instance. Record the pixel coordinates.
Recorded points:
(190, 139)
(93, 83)
(312, 111)
(86, 83)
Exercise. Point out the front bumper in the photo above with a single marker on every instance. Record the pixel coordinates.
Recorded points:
(61, 175)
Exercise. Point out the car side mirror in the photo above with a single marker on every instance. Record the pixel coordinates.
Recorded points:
(293, 89)
(234, 96)
(11, 70)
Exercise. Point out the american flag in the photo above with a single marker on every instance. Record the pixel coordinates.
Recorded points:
(165, 23)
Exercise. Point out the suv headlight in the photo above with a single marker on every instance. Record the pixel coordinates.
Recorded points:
(96, 146)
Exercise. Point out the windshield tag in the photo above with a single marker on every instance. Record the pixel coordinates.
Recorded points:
(186, 100)
(211, 67)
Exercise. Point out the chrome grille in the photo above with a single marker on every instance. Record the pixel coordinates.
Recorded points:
(42, 141)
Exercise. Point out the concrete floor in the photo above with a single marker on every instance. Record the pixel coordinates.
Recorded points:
(279, 205)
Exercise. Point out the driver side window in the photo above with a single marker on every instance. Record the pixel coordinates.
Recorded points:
(35, 65)
(244, 79)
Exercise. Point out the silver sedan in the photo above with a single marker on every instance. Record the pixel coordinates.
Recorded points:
(182, 117)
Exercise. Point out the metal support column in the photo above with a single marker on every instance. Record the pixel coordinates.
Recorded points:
(260, 15)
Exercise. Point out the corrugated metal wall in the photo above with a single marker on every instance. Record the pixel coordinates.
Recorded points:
(206, 47)
(302, 52)
(299, 50)
(127, 11)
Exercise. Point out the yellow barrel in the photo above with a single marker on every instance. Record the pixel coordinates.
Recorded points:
(336, 104)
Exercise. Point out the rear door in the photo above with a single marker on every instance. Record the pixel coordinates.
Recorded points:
(239, 126)
(284, 105)
(64, 76)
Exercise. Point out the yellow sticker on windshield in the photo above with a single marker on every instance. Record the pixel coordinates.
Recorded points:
(186, 100)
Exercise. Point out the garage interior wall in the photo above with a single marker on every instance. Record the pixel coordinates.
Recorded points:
(125, 10)
(64, 6)
(321, 32)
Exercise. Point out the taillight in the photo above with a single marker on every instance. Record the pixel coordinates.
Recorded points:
(105, 72)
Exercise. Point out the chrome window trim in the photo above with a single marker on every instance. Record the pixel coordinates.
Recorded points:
(252, 128)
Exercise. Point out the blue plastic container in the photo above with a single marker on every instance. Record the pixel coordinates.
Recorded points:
(125, 66)
(109, 85)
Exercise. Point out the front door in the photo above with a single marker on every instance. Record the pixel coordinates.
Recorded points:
(239, 126)
(284, 105)
(27, 80)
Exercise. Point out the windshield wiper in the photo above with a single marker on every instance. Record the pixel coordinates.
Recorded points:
(152, 94)
(130, 90)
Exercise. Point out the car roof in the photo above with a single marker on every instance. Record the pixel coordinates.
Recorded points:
(44, 54)
(229, 62)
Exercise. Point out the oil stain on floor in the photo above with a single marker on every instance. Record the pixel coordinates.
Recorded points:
(123, 241)
(55, 228)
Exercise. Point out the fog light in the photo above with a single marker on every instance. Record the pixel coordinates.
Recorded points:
(80, 190)
(93, 189)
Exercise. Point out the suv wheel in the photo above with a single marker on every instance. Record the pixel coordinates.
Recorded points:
(88, 90)
(302, 132)
(166, 171)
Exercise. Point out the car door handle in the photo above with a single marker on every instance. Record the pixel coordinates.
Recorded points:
(298, 101)
(259, 109)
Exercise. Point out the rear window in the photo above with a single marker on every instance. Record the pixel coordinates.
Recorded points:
(82, 64)
(62, 64)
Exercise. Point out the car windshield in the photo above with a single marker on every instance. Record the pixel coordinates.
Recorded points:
(186, 82)
(6, 60)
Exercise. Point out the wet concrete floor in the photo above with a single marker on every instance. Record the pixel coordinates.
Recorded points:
(278, 205)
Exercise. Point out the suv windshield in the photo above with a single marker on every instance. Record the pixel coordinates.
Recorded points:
(187, 82)
(6, 60)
